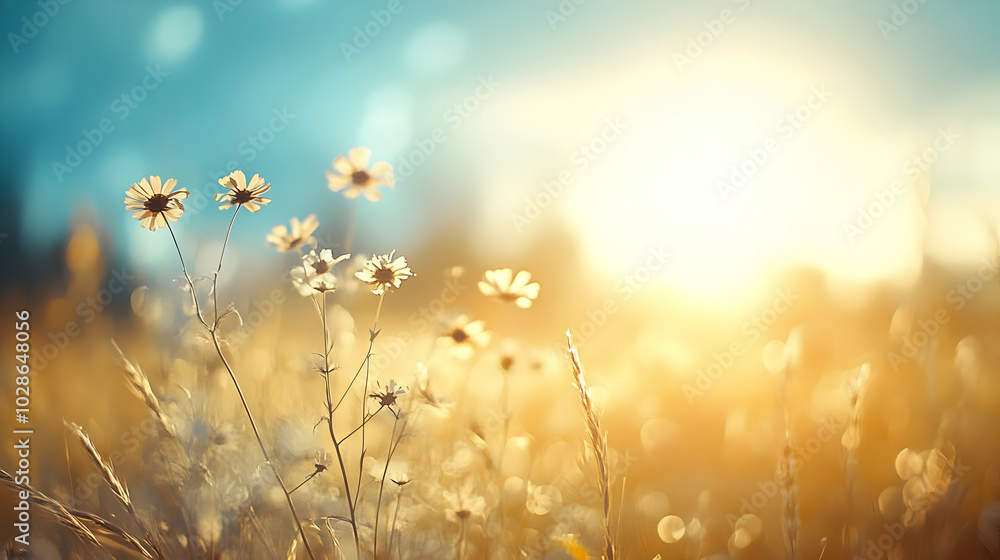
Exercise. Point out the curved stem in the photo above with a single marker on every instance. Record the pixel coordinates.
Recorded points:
(263, 450)
(503, 446)
(215, 280)
(392, 529)
(364, 393)
(232, 374)
(333, 436)
(381, 486)
(367, 419)
(194, 297)
(355, 378)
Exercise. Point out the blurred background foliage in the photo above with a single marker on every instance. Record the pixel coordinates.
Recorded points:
(575, 140)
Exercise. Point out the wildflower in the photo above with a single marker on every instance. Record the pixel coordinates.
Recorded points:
(462, 505)
(381, 272)
(352, 172)
(543, 499)
(465, 336)
(316, 273)
(506, 361)
(387, 397)
(503, 285)
(300, 235)
(322, 461)
(400, 481)
(396, 471)
(242, 194)
(154, 203)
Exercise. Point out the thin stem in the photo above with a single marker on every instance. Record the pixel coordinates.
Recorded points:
(215, 280)
(218, 348)
(367, 419)
(356, 374)
(461, 541)
(263, 450)
(364, 399)
(381, 486)
(333, 435)
(503, 447)
(308, 478)
(378, 310)
(392, 530)
(194, 297)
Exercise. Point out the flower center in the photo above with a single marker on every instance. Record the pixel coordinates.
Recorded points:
(321, 266)
(459, 335)
(360, 178)
(242, 196)
(157, 203)
(384, 275)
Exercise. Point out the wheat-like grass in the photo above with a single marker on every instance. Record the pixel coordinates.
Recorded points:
(851, 441)
(138, 383)
(599, 439)
(74, 519)
(787, 470)
(117, 487)
(115, 484)
(790, 495)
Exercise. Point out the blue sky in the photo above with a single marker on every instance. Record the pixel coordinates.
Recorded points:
(221, 73)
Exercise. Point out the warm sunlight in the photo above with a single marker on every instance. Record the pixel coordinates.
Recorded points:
(544, 280)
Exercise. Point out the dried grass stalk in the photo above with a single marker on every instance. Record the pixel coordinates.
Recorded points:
(851, 441)
(116, 486)
(790, 494)
(138, 383)
(599, 439)
(74, 519)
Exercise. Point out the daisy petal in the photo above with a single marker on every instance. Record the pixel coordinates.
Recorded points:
(520, 280)
(359, 157)
(343, 165)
